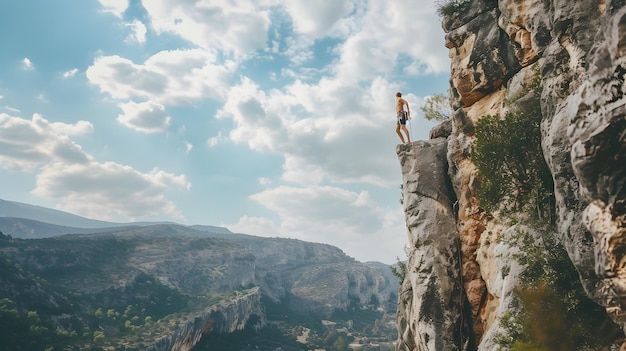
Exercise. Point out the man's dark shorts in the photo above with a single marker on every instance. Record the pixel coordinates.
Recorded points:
(401, 117)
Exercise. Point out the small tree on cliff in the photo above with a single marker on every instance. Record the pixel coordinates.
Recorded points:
(437, 108)
(513, 172)
(450, 7)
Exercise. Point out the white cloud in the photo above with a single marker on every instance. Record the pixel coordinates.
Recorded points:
(257, 121)
(27, 64)
(349, 220)
(299, 49)
(326, 206)
(317, 18)
(70, 73)
(339, 127)
(110, 191)
(168, 77)
(145, 117)
(254, 226)
(107, 191)
(377, 35)
(393, 29)
(329, 131)
(138, 32)
(215, 140)
(80, 128)
(188, 146)
(27, 144)
(236, 28)
(116, 7)
(11, 109)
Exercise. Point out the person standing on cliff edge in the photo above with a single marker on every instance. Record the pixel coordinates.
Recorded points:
(402, 116)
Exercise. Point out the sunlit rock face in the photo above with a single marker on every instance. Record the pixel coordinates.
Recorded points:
(577, 51)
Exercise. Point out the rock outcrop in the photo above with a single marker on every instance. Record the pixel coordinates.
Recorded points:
(429, 304)
(575, 51)
(226, 317)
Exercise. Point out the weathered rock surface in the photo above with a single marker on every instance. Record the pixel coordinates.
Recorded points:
(576, 52)
(596, 135)
(225, 317)
(430, 299)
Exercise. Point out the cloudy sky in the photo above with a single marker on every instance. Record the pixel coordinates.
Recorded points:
(268, 117)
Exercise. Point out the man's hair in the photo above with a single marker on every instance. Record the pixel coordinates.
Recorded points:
(398, 94)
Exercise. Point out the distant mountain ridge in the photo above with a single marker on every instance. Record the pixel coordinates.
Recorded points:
(21, 220)
(23, 228)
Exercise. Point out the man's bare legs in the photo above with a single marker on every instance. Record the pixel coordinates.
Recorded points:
(406, 131)
(399, 134)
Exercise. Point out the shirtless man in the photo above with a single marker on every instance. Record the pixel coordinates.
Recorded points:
(402, 116)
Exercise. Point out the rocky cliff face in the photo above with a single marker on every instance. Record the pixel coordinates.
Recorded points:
(576, 51)
(225, 317)
(429, 314)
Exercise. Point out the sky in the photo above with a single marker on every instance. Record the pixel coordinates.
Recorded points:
(268, 117)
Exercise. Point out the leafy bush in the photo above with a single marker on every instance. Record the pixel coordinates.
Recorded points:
(556, 313)
(450, 7)
(399, 270)
(513, 174)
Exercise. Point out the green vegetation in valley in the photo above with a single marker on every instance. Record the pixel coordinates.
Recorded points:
(81, 292)
(41, 309)
(373, 329)
(26, 322)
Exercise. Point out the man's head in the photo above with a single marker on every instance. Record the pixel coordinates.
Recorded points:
(398, 94)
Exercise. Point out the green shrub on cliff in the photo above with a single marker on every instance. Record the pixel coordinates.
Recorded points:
(450, 7)
(556, 313)
(399, 270)
(513, 173)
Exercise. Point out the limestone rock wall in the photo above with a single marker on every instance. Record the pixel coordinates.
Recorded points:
(498, 49)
